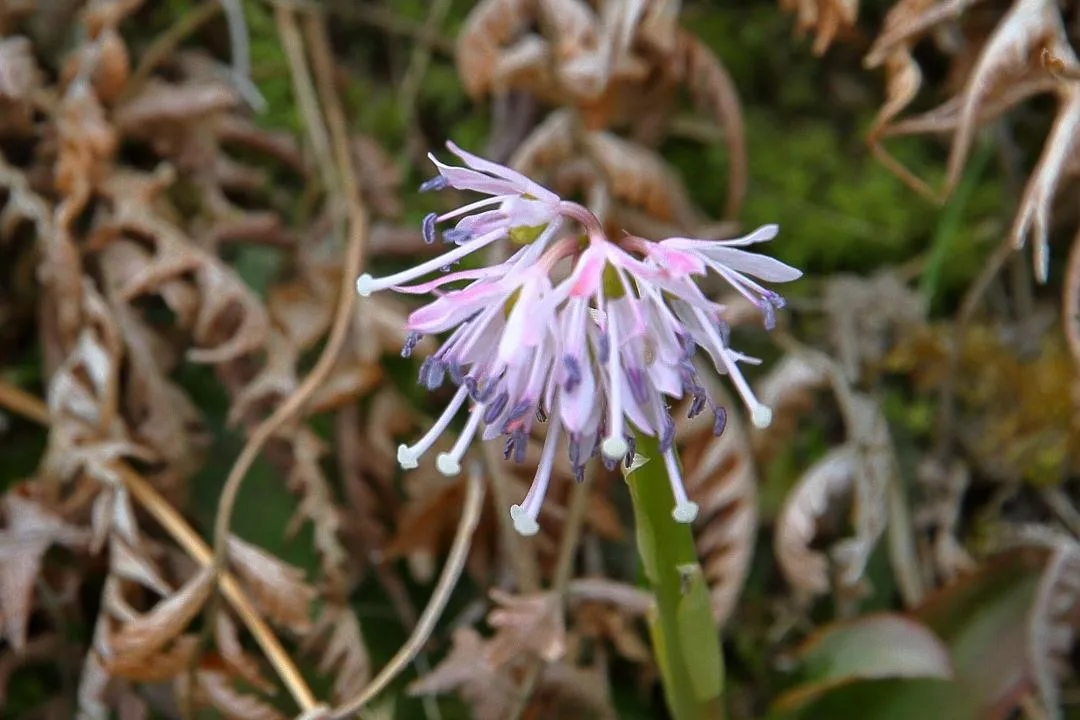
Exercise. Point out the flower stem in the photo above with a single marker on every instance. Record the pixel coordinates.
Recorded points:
(686, 640)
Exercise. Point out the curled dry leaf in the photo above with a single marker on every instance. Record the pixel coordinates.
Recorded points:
(277, 587)
(341, 648)
(316, 504)
(162, 415)
(640, 177)
(157, 665)
(530, 623)
(235, 657)
(600, 622)
(796, 527)
(31, 530)
(146, 634)
(827, 18)
(128, 564)
(489, 690)
(227, 307)
(20, 78)
(1005, 72)
(863, 466)
(219, 691)
(1053, 621)
(489, 25)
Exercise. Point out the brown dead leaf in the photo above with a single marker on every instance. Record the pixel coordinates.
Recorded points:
(489, 25)
(316, 504)
(126, 563)
(827, 479)
(221, 693)
(827, 18)
(278, 588)
(488, 690)
(158, 665)
(146, 634)
(640, 177)
(597, 621)
(31, 530)
(342, 651)
(526, 624)
(235, 657)
(161, 108)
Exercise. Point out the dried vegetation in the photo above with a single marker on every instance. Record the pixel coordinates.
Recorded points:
(182, 213)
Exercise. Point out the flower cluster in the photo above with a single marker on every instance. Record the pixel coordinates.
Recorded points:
(589, 334)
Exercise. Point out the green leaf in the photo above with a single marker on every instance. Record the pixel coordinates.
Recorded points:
(981, 618)
(870, 647)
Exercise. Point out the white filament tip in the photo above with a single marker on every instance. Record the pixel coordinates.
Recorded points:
(615, 448)
(365, 284)
(406, 458)
(447, 464)
(761, 416)
(685, 512)
(524, 523)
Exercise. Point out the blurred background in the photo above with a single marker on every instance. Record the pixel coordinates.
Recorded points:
(202, 512)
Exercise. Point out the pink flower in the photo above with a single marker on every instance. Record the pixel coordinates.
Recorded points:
(590, 335)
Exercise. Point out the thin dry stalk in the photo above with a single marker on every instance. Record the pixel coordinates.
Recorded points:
(455, 563)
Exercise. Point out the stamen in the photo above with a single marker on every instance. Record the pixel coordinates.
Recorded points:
(432, 373)
(719, 421)
(667, 433)
(436, 183)
(698, 403)
(518, 411)
(456, 236)
(449, 463)
(768, 313)
(429, 227)
(614, 446)
(367, 284)
(603, 350)
(408, 457)
(411, 341)
(760, 415)
(684, 511)
(573, 373)
(496, 407)
(524, 515)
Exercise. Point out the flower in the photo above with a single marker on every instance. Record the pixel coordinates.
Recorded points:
(588, 334)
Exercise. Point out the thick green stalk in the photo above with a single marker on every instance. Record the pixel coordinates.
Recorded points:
(685, 638)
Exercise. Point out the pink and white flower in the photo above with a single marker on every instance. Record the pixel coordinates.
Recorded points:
(591, 335)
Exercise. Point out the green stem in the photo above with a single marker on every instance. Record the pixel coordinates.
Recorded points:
(685, 637)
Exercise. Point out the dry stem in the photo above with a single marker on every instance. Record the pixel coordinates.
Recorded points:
(455, 563)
